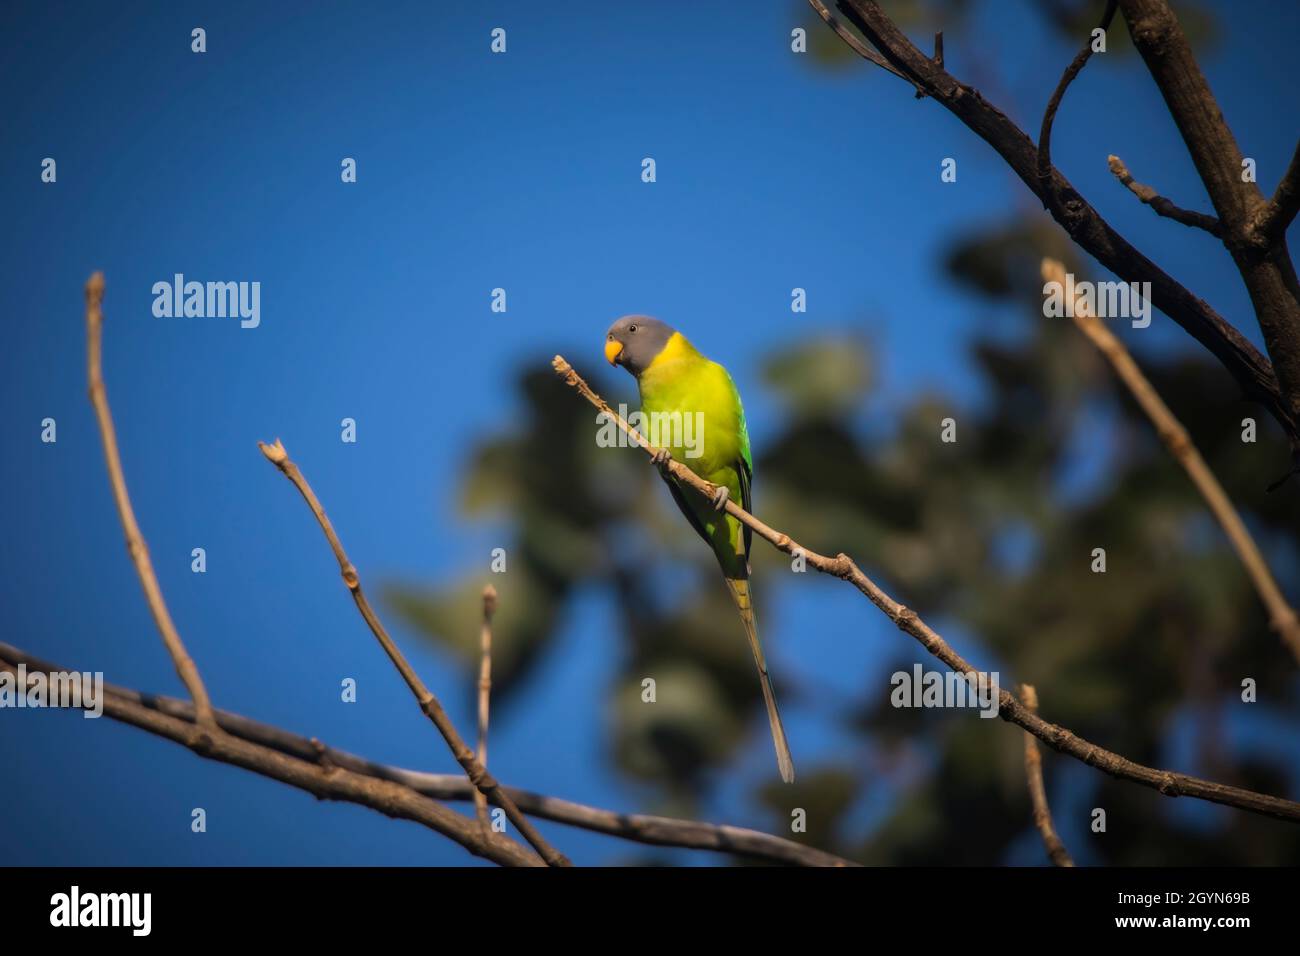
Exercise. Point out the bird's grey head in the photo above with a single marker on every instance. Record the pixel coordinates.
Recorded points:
(634, 340)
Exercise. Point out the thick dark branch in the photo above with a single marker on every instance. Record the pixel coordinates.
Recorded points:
(1009, 708)
(322, 780)
(1266, 268)
(640, 828)
(1213, 148)
(1085, 225)
(1159, 203)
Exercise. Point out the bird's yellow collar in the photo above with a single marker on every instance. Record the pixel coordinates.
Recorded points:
(677, 347)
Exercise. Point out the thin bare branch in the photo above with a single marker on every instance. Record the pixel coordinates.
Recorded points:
(1282, 616)
(1045, 180)
(843, 567)
(135, 545)
(323, 780)
(640, 828)
(484, 781)
(1056, 851)
(1278, 214)
(1159, 203)
(484, 694)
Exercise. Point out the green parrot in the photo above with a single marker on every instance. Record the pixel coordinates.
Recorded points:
(702, 425)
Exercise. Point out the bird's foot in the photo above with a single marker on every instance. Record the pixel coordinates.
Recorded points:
(720, 498)
(661, 457)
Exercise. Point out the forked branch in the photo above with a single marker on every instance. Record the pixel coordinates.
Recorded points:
(484, 781)
(636, 827)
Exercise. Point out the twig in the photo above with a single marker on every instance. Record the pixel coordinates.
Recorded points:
(484, 781)
(135, 546)
(843, 567)
(1282, 616)
(1251, 370)
(1045, 180)
(1056, 850)
(484, 695)
(325, 782)
(641, 828)
(1278, 213)
(1159, 203)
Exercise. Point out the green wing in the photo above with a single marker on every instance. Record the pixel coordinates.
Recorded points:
(744, 468)
(686, 509)
(745, 471)
(707, 384)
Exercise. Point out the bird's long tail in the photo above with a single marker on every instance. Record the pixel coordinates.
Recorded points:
(739, 588)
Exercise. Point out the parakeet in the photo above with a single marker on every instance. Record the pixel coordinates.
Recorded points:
(689, 390)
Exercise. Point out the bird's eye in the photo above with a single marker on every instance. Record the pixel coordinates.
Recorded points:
(631, 328)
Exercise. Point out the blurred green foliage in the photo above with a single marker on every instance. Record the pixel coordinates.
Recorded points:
(986, 532)
(992, 535)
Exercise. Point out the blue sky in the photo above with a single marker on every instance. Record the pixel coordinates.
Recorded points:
(475, 171)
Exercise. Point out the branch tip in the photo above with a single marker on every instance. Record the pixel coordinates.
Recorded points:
(95, 289)
(275, 453)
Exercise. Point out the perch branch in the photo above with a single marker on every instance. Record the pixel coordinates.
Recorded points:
(484, 694)
(640, 828)
(1056, 850)
(1058, 738)
(326, 782)
(484, 781)
(1252, 371)
(135, 545)
(1282, 616)
(1161, 205)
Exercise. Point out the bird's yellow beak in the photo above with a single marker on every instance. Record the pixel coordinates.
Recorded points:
(612, 351)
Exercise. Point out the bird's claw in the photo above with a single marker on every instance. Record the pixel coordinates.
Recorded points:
(720, 498)
(661, 457)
